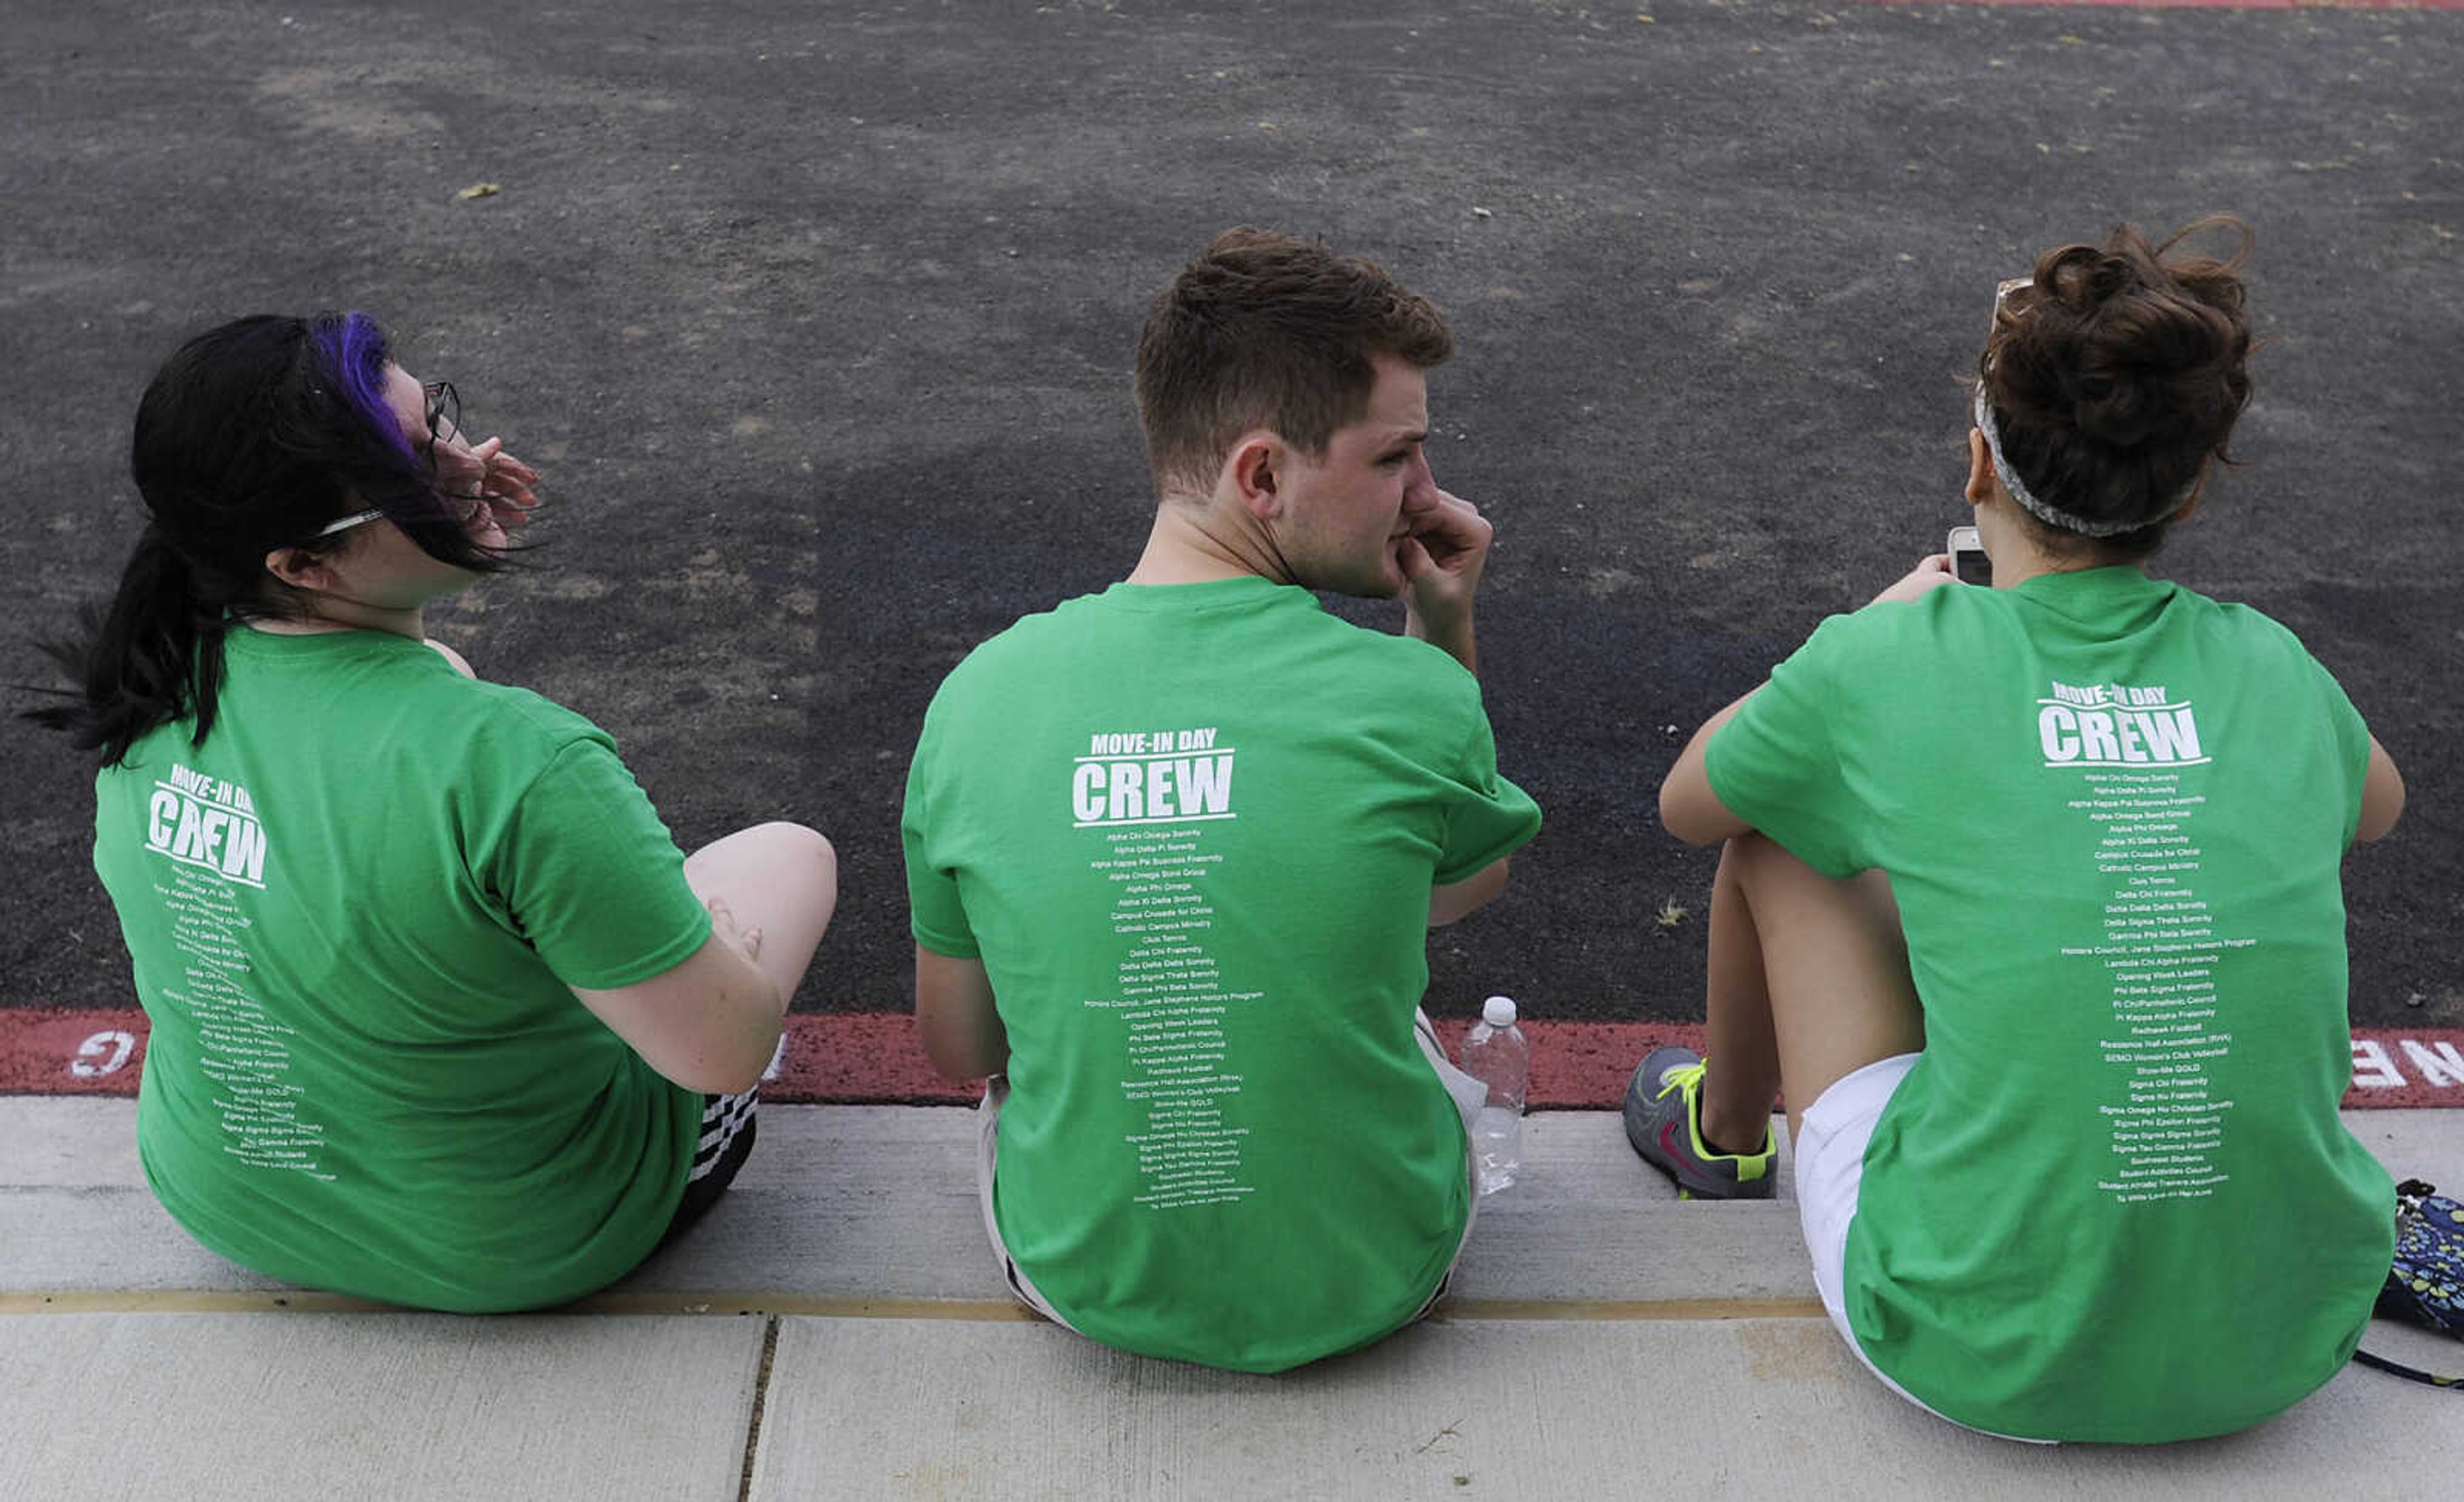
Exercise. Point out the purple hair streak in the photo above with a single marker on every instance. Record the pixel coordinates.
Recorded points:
(354, 352)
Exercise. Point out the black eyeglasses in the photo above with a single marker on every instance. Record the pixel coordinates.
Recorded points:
(444, 414)
(444, 425)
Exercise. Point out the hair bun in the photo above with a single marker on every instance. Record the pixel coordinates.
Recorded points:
(2120, 374)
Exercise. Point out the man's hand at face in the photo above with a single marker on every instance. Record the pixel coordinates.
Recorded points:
(1440, 559)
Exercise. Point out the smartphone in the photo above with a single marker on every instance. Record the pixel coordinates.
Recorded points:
(1967, 560)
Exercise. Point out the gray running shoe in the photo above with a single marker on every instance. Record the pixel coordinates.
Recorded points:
(1663, 1120)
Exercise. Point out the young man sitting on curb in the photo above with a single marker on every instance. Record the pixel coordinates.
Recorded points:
(1173, 849)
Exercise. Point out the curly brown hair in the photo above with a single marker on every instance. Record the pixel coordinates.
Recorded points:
(2115, 374)
(1267, 330)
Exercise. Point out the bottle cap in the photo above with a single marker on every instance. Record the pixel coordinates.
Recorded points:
(1498, 1012)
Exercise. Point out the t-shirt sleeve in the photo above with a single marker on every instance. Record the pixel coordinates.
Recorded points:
(936, 916)
(1776, 766)
(2352, 743)
(1486, 816)
(593, 876)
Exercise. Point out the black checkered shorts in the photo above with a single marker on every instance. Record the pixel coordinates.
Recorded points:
(727, 1123)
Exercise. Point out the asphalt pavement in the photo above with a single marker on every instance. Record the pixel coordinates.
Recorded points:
(818, 319)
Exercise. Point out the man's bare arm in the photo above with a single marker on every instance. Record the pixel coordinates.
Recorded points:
(1454, 899)
(954, 1017)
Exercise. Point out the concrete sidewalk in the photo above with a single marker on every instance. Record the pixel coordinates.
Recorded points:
(835, 1330)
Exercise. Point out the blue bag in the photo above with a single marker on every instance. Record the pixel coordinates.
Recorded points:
(2425, 1286)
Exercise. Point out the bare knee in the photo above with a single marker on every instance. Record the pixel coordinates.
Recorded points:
(769, 855)
(1754, 860)
(804, 850)
(1770, 874)
(801, 842)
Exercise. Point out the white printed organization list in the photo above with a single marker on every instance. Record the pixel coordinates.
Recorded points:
(2158, 942)
(209, 829)
(1158, 796)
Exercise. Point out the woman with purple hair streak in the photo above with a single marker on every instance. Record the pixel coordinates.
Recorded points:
(440, 1014)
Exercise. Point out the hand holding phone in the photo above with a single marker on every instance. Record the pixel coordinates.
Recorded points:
(1932, 572)
(1967, 560)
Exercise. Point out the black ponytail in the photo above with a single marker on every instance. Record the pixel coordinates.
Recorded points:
(152, 654)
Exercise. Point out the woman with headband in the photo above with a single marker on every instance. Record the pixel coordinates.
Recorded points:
(439, 1015)
(2029, 903)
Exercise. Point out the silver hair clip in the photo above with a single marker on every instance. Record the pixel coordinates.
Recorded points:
(345, 524)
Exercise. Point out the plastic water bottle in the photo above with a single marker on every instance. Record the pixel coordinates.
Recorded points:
(1496, 1053)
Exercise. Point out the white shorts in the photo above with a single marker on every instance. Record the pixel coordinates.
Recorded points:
(1830, 1140)
(1467, 1092)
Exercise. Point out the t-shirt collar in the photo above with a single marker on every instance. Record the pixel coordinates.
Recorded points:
(1242, 592)
(2095, 593)
(296, 644)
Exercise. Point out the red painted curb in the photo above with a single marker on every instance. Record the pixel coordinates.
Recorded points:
(2197, 5)
(872, 1059)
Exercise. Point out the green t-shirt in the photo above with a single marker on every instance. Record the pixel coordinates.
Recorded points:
(2113, 1200)
(1191, 830)
(353, 914)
